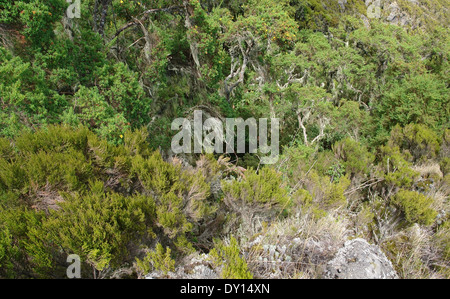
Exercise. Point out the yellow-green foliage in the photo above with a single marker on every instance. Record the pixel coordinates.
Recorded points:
(53, 139)
(159, 258)
(365, 218)
(421, 11)
(263, 189)
(6, 150)
(98, 225)
(417, 140)
(156, 176)
(5, 242)
(20, 240)
(69, 169)
(227, 256)
(62, 158)
(304, 199)
(56, 156)
(170, 215)
(183, 245)
(416, 207)
(97, 198)
(325, 193)
(318, 14)
(344, 85)
(180, 195)
(396, 168)
(355, 156)
(6, 250)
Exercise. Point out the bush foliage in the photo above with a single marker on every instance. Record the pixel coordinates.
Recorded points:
(86, 107)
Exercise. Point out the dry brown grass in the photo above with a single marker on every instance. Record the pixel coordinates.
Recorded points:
(296, 247)
(415, 256)
(429, 169)
(46, 199)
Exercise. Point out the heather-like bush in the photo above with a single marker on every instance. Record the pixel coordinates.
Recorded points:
(396, 169)
(159, 259)
(98, 225)
(180, 195)
(416, 139)
(259, 192)
(228, 257)
(325, 192)
(355, 157)
(416, 207)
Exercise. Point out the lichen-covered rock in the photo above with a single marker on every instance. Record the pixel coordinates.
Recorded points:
(193, 267)
(411, 13)
(360, 260)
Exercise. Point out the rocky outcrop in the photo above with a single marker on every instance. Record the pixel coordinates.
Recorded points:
(360, 260)
(410, 13)
(193, 267)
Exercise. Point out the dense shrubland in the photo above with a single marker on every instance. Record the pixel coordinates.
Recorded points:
(85, 113)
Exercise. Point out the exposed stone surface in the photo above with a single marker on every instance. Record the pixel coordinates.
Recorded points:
(411, 13)
(360, 260)
(342, 4)
(194, 267)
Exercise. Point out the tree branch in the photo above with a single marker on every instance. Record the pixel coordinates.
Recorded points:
(240, 72)
(145, 16)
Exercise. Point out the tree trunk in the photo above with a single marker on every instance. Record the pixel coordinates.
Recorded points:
(192, 43)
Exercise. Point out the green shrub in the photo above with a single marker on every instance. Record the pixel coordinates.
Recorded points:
(355, 157)
(98, 225)
(420, 98)
(325, 193)
(327, 164)
(264, 190)
(74, 61)
(415, 206)
(303, 199)
(121, 89)
(26, 97)
(396, 169)
(57, 139)
(417, 139)
(35, 17)
(227, 256)
(93, 110)
(159, 258)
(5, 251)
(65, 171)
(26, 253)
(180, 195)
(54, 157)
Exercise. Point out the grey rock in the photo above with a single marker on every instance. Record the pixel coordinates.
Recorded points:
(360, 260)
(342, 4)
(194, 267)
(202, 272)
(365, 21)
